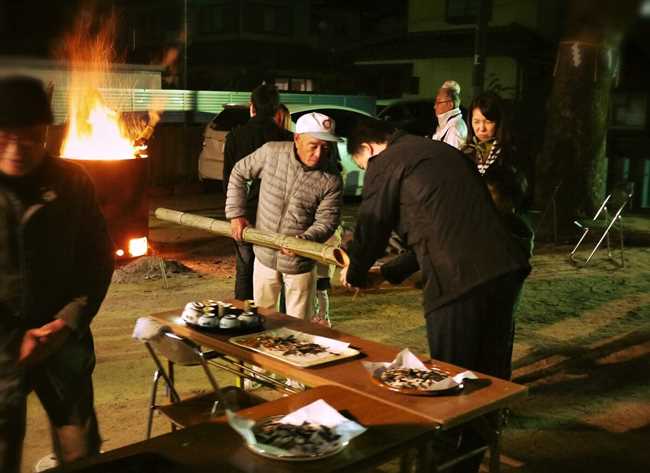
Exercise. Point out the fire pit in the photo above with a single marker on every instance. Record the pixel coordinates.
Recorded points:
(121, 187)
(109, 146)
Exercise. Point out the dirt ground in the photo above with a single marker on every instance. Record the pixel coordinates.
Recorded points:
(582, 348)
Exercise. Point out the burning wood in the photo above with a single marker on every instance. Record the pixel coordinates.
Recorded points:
(95, 130)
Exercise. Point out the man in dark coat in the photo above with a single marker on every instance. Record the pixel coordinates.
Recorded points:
(472, 269)
(241, 142)
(56, 261)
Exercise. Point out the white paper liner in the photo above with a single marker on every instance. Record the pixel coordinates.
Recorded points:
(318, 412)
(333, 346)
(406, 359)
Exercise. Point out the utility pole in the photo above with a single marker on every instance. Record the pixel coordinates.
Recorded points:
(185, 40)
(480, 47)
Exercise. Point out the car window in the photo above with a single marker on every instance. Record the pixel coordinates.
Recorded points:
(424, 110)
(229, 118)
(345, 119)
(396, 113)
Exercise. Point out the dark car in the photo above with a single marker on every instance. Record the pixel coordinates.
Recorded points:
(416, 116)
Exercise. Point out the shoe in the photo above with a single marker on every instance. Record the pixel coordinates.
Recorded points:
(45, 463)
(317, 319)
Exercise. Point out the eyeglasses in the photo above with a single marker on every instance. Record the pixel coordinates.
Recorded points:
(20, 139)
(442, 101)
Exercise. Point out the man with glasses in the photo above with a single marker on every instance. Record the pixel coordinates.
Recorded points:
(451, 126)
(56, 262)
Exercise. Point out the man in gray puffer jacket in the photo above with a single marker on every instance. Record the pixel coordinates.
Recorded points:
(301, 195)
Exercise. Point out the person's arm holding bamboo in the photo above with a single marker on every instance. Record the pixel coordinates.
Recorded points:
(247, 169)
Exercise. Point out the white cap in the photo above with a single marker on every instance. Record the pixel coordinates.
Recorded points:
(317, 125)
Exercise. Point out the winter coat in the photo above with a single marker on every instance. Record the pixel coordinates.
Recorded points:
(451, 128)
(56, 257)
(433, 197)
(294, 200)
(507, 185)
(242, 141)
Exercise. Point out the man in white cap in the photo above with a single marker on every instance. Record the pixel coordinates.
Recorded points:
(300, 195)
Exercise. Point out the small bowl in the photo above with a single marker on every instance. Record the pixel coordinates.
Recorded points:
(191, 315)
(195, 305)
(210, 321)
(249, 319)
(229, 321)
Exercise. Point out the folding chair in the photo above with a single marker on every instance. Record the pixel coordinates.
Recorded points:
(623, 195)
(194, 410)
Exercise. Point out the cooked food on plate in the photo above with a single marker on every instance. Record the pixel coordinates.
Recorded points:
(410, 378)
(305, 439)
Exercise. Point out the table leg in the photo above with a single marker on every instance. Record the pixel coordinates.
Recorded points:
(419, 460)
(490, 428)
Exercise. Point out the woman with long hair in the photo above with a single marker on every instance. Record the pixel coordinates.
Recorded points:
(490, 147)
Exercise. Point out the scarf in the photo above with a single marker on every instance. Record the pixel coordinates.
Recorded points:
(484, 153)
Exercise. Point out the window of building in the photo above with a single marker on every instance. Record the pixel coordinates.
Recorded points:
(282, 83)
(222, 18)
(302, 85)
(211, 19)
(263, 18)
(294, 84)
(628, 111)
(460, 12)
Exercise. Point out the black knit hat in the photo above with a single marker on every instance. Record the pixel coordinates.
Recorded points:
(23, 102)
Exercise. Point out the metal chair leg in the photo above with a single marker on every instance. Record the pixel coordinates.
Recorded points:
(152, 402)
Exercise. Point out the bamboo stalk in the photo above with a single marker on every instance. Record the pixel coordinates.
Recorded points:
(320, 252)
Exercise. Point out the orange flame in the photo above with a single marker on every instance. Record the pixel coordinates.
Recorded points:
(95, 131)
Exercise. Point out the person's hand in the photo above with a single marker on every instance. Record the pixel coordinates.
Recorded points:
(288, 252)
(375, 278)
(344, 276)
(39, 343)
(237, 226)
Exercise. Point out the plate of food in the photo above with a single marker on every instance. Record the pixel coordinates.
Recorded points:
(305, 442)
(220, 316)
(407, 374)
(296, 348)
(426, 381)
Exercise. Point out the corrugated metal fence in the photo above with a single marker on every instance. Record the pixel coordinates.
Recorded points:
(175, 146)
(136, 100)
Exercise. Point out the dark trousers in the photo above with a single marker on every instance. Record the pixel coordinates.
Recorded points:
(244, 270)
(476, 331)
(63, 384)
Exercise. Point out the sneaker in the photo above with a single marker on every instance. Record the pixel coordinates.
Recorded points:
(317, 319)
(46, 463)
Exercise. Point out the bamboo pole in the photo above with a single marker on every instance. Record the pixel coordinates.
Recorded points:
(320, 252)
